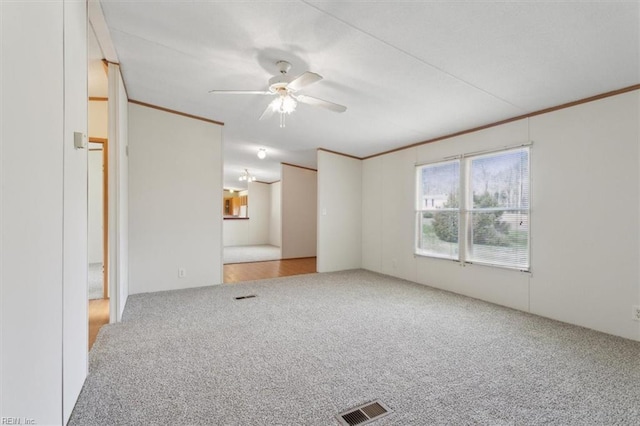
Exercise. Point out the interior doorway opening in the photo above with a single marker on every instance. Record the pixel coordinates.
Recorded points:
(98, 250)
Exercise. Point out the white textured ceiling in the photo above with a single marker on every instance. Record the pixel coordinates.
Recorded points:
(408, 71)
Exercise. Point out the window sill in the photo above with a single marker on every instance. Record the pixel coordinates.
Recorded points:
(465, 264)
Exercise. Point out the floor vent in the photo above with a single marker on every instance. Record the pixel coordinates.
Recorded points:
(363, 414)
(245, 297)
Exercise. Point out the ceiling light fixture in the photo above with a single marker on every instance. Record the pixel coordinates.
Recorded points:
(286, 90)
(262, 153)
(283, 104)
(247, 177)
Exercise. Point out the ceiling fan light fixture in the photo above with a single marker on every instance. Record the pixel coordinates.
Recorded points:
(288, 105)
(284, 104)
(262, 153)
(285, 89)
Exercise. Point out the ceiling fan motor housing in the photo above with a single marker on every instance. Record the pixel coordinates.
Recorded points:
(283, 66)
(278, 83)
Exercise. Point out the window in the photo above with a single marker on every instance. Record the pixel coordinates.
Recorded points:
(476, 209)
(439, 209)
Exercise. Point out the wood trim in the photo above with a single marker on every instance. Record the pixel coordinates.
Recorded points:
(184, 114)
(105, 214)
(105, 66)
(98, 98)
(275, 260)
(236, 218)
(339, 153)
(124, 84)
(519, 117)
(295, 258)
(257, 261)
(300, 167)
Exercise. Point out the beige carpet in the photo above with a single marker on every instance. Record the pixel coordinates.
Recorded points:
(310, 346)
(95, 278)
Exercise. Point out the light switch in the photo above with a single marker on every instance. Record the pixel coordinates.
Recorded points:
(324, 212)
(79, 140)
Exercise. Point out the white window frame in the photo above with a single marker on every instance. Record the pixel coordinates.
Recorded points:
(466, 209)
(420, 211)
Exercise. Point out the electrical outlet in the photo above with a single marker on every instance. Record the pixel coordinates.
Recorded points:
(182, 272)
(636, 313)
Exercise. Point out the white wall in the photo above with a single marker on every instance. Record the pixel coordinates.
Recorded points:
(275, 218)
(175, 201)
(98, 119)
(388, 217)
(259, 210)
(299, 212)
(235, 232)
(118, 188)
(372, 204)
(339, 212)
(585, 193)
(31, 240)
(75, 307)
(255, 230)
(585, 217)
(43, 273)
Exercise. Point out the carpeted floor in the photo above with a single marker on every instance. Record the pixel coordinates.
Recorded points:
(95, 290)
(310, 346)
(245, 254)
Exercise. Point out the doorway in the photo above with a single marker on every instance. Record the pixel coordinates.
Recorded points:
(251, 223)
(98, 253)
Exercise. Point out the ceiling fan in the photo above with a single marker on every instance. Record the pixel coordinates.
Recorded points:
(286, 88)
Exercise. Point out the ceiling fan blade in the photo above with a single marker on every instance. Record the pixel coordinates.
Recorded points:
(240, 92)
(310, 100)
(268, 112)
(304, 80)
